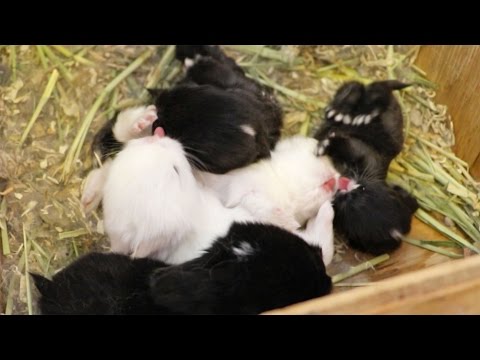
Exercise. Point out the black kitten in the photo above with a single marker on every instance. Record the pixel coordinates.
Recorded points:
(254, 268)
(222, 129)
(224, 119)
(373, 216)
(362, 134)
(99, 284)
(209, 65)
(363, 127)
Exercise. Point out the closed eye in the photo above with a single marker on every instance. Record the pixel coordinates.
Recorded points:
(176, 170)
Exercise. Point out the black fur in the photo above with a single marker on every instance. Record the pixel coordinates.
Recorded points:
(354, 158)
(213, 67)
(205, 112)
(99, 284)
(183, 52)
(207, 121)
(369, 216)
(206, 109)
(381, 139)
(104, 142)
(281, 270)
(374, 216)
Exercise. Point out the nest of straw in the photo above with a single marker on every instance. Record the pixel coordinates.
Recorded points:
(54, 98)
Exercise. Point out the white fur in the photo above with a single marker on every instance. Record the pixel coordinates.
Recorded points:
(357, 120)
(131, 123)
(247, 129)
(352, 185)
(245, 249)
(93, 190)
(189, 62)
(397, 235)
(134, 123)
(323, 145)
(285, 190)
(151, 211)
(319, 232)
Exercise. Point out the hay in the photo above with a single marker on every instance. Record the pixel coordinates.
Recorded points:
(43, 100)
(44, 175)
(370, 264)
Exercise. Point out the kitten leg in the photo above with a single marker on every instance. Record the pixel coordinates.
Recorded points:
(319, 232)
(92, 193)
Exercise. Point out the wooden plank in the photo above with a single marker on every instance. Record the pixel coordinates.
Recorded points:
(455, 299)
(475, 169)
(449, 288)
(456, 69)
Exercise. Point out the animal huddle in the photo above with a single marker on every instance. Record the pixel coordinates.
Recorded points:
(208, 211)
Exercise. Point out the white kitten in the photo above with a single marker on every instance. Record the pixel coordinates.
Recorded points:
(153, 206)
(286, 190)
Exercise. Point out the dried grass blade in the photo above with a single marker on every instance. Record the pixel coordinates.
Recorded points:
(67, 53)
(4, 229)
(429, 220)
(27, 275)
(75, 148)
(263, 51)
(43, 100)
(433, 248)
(41, 56)
(13, 61)
(360, 268)
(55, 60)
(157, 73)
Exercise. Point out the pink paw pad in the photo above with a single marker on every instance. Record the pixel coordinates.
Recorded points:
(147, 119)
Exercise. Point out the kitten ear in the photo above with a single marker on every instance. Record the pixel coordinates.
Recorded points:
(395, 84)
(155, 93)
(43, 284)
(407, 199)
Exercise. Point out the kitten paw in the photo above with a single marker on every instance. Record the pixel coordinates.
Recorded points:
(134, 122)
